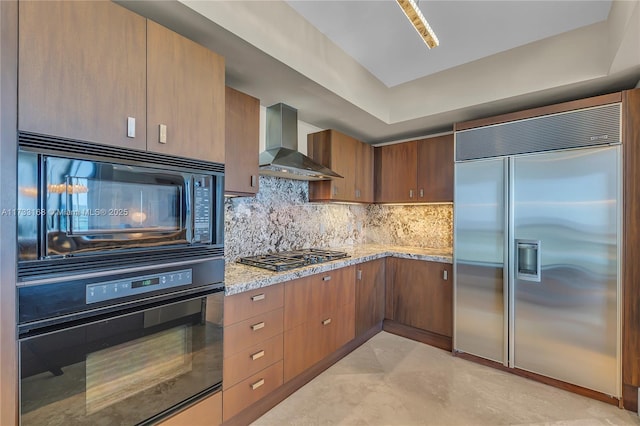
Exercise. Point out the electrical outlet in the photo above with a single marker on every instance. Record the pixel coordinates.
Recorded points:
(322, 228)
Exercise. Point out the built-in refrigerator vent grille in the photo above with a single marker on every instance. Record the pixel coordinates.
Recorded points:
(30, 270)
(59, 146)
(576, 129)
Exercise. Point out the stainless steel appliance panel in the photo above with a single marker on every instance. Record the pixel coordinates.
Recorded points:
(582, 128)
(566, 324)
(479, 233)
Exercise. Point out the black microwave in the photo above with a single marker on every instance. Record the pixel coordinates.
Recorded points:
(83, 206)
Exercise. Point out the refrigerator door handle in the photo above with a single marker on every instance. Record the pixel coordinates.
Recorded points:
(528, 260)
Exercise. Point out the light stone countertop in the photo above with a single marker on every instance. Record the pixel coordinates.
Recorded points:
(240, 278)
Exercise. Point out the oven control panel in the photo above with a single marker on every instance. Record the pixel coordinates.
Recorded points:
(99, 292)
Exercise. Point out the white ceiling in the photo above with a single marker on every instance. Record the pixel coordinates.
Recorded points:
(378, 35)
(494, 57)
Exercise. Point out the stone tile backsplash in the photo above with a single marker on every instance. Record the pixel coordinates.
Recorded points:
(280, 217)
(415, 226)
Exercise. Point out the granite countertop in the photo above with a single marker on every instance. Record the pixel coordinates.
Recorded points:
(240, 278)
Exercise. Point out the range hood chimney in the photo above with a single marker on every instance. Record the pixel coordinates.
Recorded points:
(281, 158)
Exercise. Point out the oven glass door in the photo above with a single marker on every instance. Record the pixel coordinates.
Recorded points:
(92, 206)
(125, 369)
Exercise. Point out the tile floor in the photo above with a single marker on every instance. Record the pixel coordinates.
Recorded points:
(391, 380)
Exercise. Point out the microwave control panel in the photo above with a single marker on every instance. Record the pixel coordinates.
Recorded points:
(202, 209)
(99, 292)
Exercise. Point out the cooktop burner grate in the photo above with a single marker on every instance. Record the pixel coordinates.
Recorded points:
(286, 260)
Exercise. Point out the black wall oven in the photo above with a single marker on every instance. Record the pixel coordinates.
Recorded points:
(111, 350)
(120, 282)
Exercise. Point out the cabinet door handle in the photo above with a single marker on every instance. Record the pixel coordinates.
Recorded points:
(258, 297)
(257, 384)
(327, 321)
(162, 137)
(445, 275)
(421, 192)
(257, 326)
(257, 355)
(359, 274)
(131, 127)
(254, 181)
(411, 193)
(326, 278)
(357, 193)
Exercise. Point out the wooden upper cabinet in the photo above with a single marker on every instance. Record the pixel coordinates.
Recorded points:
(364, 173)
(82, 71)
(419, 171)
(349, 158)
(94, 71)
(185, 97)
(242, 139)
(435, 169)
(396, 173)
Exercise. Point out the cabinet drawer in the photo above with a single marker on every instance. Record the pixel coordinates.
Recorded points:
(251, 390)
(318, 295)
(251, 360)
(251, 303)
(252, 331)
(207, 412)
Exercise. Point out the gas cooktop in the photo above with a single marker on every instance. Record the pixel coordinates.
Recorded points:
(286, 260)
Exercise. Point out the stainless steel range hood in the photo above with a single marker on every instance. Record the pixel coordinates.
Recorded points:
(281, 157)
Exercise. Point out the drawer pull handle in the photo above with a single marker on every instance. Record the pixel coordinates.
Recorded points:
(257, 297)
(326, 278)
(327, 321)
(257, 326)
(257, 355)
(257, 384)
(445, 275)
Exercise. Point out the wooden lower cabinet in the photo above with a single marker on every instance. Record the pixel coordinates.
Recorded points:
(420, 295)
(319, 318)
(370, 282)
(253, 346)
(252, 331)
(252, 389)
(314, 340)
(251, 360)
(207, 412)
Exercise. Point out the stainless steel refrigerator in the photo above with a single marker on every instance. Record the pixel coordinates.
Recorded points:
(537, 225)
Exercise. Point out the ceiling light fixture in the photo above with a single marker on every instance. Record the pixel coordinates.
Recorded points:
(410, 8)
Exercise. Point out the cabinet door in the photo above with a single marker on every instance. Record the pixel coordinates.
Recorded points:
(82, 71)
(304, 345)
(395, 173)
(344, 150)
(185, 92)
(349, 158)
(242, 134)
(435, 169)
(422, 294)
(364, 173)
(370, 282)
